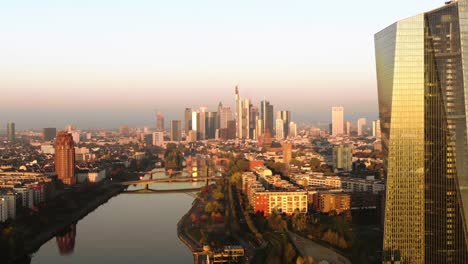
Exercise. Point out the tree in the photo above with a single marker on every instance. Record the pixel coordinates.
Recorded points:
(299, 221)
(276, 222)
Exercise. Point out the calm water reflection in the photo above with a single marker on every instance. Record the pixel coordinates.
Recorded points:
(129, 228)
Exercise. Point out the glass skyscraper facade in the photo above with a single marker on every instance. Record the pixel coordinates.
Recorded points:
(422, 71)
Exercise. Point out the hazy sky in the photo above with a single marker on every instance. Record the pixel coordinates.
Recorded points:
(103, 63)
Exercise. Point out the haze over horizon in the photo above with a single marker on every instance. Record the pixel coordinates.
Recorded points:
(102, 64)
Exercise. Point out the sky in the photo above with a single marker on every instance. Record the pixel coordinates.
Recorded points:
(105, 63)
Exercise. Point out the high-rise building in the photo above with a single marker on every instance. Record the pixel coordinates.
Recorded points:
(422, 71)
(376, 129)
(267, 116)
(195, 120)
(11, 134)
(343, 157)
(187, 120)
(158, 139)
(225, 115)
(361, 126)
(254, 117)
(292, 130)
(242, 116)
(159, 122)
(49, 133)
(279, 129)
(337, 121)
(201, 129)
(212, 124)
(176, 130)
(348, 128)
(65, 158)
(286, 117)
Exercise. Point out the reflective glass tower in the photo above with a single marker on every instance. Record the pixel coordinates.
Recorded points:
(422, 71)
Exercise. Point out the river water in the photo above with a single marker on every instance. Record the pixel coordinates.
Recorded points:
(130, 228)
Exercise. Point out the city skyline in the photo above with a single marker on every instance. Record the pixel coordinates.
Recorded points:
(118, 72)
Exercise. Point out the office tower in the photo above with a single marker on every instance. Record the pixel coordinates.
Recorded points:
(279, 129)
(259, 128)
(267, 116)
(49, 133)
(158, 139)
(343, 157)
(287, 152)
(201, 129)
(376, 129)
(242, 116)
(361, 126)
(286, 117)
(187, 120)
(337, 121)
(159, 122)
(65, 158)
(422, 87)
(225, 115)
(195, 120)
(11, 134)
(348, 128)
(292, 130)
(254, 116)
(176, 130)
(212, 122)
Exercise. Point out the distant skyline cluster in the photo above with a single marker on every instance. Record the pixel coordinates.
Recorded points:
(129, 59)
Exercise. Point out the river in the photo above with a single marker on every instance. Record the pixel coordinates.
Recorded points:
(138, 228)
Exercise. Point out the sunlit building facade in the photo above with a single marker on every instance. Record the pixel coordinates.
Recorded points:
(422, 71)
(65, 158)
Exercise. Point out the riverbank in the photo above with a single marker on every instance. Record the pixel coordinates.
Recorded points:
(59, 222)
(185, 237)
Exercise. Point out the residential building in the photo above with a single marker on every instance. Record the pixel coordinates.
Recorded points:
(343, 157)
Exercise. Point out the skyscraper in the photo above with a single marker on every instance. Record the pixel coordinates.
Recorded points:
(65, 158)
(242, 116)
(292, 130)
(254, 116)
(376, 129)
(225, 115)
(279, 129)
(187, 120)
(286, 117)
(212, 124)
(337, 121)
(159, 122)
(49, 133)
(11, 134)
(176, 130)
(267, 116)
(348, 128)
(361, 126)
(422, 85)
(201, 129)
